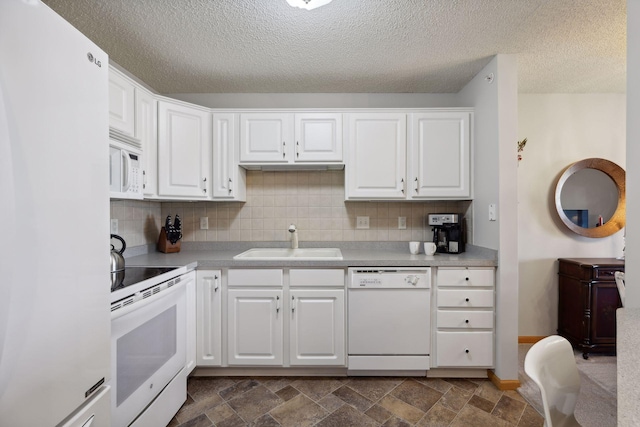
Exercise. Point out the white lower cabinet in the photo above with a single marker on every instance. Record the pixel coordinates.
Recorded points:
(209, 318)
(317, 327)
(464, 317)
(272, 321)
(464, 349)
(254, 327)
(191, 323)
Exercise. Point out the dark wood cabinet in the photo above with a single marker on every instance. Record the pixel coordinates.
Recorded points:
(587, 302)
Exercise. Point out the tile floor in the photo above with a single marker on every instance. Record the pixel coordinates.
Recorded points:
(349, 401)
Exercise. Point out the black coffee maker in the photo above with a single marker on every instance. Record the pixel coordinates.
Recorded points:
(448, 233)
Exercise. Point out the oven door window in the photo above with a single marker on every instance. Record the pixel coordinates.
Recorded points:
(144, 350)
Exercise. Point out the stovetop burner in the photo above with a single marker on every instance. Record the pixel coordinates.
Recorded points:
(132, 275)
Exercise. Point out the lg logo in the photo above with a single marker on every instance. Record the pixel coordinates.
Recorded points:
(93, 59)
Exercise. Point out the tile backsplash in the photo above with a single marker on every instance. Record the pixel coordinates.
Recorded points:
(312, 200)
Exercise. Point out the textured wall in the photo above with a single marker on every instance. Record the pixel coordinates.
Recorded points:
(314, 201)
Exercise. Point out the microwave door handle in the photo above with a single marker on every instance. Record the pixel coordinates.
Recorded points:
(126, 166)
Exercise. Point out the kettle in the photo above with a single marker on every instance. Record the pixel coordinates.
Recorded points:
(117, 260)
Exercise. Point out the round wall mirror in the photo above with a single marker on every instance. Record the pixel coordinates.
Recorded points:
(590, 197)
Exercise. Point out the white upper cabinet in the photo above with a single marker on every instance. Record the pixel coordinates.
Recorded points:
(121, 104)
(439, 155)
(376, 164)
(318, 137)
(229, 180)
(184, 151)
(290, 138)
(147, 131)
(264, 137)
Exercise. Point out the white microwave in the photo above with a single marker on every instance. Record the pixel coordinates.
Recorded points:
(125, 172)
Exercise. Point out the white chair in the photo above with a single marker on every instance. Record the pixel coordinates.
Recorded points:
(619, 275)
(551, 364)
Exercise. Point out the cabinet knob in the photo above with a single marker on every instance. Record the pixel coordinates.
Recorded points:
(466, 321)
(466, 350)
(466, 299)
(466, 278)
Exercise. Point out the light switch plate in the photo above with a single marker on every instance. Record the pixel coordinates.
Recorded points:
(362, 222)
(402, 223)
(114, 226)
(493, 213)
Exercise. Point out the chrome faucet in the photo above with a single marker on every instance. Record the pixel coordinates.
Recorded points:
(294, 236)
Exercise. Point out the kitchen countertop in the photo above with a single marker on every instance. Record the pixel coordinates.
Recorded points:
(215, 255)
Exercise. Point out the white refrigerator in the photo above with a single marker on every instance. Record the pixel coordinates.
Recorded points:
(54, 221)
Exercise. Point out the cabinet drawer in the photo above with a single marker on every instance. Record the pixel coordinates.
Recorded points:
(464, 349)
(316, 277)
(465, 319)
(606, 273)
(255, 277)
(459, 298)
(465, 276)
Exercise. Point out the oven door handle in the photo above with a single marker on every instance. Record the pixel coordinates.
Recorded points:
(146, 301)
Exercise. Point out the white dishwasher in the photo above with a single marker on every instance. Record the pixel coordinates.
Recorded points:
(389, 321)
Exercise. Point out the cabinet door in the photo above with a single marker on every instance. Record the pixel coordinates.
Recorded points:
(317, 327)
(318, 137)
(121, 104)
(605, 301)
(184, 151)
(191, 310)
(266, 137)
(439, 155)
(377, 155)
(254, 335)
(147, 132)
(209, 318)
(229, 180)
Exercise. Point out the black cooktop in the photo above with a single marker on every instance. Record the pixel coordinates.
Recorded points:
(132, 275)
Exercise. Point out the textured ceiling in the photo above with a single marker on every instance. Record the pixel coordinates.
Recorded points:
(357, 46)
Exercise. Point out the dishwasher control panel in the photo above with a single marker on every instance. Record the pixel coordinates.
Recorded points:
(389, 278)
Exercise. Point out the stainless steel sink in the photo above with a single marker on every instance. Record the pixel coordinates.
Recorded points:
(302, 254)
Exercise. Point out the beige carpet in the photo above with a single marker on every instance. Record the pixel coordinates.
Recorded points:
(596, 405)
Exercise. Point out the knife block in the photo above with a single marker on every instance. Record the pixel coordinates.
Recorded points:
(164, 245)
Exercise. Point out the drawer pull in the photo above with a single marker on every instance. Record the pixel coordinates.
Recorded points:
(466, 350)
(466, 299)
(466, 321)
(466, 278)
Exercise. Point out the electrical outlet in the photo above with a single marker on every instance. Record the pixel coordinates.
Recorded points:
(362, 222)
(114, 226)
(402, 223)
(204, 223)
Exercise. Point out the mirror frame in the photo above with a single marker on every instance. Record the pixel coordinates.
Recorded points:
(617, 174)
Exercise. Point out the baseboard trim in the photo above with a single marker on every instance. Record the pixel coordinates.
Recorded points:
(529, 339)
(502, 384)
